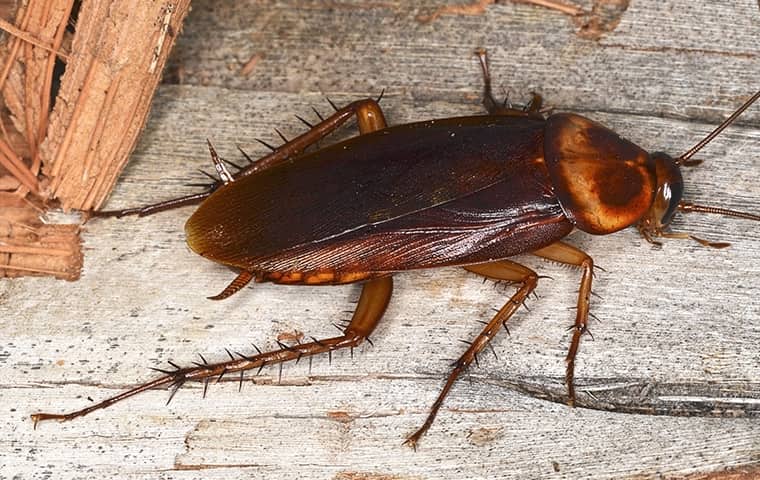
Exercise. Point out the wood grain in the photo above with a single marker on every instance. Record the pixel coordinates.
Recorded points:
(678, 327)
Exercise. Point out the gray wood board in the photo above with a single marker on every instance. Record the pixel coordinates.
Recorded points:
(678, 326)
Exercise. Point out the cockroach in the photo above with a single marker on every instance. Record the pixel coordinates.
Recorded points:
(468, 191)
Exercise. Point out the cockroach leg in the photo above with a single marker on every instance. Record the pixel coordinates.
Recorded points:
(567, 254)
(649, 231)
(647, 234)
(653, 226)
(235, 286)
(701, 241)
(532, 109)
(372, 304)
(501, 270)
(370, 118)
(489, 102)
(221, 169)
(535, 104)
(193, 199)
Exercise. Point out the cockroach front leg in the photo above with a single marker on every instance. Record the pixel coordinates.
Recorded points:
(372, 304)
(502, 270)
(369, 118)
(569, 255)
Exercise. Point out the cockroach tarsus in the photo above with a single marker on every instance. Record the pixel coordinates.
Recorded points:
(467, 191)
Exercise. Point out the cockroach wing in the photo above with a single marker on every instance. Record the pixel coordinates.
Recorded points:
(604, 183)
(317, 200)
(514, 216)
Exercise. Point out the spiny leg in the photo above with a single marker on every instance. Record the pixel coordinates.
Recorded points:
(243, 279)
(372, 304)
(532, 109)
(370, 117)
(563, 253)
(502, 270)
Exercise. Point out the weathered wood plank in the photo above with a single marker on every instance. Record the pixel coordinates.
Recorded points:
(676, 323)
(670, 58)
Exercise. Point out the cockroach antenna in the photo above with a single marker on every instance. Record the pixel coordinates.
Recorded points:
(685, 159)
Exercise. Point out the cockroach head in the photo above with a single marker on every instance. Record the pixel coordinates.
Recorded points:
(667, 199)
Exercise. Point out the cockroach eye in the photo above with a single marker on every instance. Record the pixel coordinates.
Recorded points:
(673, 192)
(669, 187)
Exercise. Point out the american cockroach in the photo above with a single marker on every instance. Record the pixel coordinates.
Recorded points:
(467, 191)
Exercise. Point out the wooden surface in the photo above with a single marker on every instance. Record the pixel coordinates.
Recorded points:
(678, 328)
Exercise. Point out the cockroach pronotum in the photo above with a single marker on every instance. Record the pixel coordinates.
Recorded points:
(467, 191)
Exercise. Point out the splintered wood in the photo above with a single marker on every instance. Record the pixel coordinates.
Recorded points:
(28, 246)
(65, 138)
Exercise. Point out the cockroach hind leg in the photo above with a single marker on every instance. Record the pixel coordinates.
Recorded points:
(316, 112)
(372, 304)
(220, 165)
(267, 145)
(221, 168)
(235, 286)
(245, 154)
(232, 164)
(192, 199)
(172, 378)
(367, 111)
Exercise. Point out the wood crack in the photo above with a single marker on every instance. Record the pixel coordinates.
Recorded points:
(685, 50)
(620, 395)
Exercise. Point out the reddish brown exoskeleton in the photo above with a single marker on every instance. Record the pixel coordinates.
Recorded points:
(468, 191)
